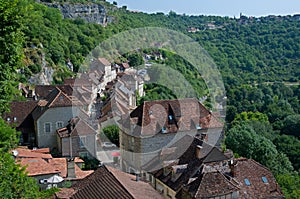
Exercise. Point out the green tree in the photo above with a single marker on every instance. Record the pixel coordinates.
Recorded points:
(291, 125)
(290, 185)
(12, 15)
(14, 183)
(112, 133)
(135, 60)
(242, 139)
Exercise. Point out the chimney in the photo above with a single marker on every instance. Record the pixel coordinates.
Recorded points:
(137, 176)
(198, 151)
(71, 168)
(204, 137)
(232, 167)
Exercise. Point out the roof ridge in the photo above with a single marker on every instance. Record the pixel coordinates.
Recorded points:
(59, 91)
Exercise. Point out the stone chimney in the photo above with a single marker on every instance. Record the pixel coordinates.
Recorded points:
(71, 168)
(198, 151)
(232, 167)
(204, 137)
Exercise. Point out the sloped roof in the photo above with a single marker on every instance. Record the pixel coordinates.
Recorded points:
(104, 61)
(253, 171)
(76, 127)
(184, 153)
(150, 117)
(138, 189)
(101, 184)
(37, 166)
(28, 153)
(20, 111)
(211, 184)
(56, 98)
(42, 91)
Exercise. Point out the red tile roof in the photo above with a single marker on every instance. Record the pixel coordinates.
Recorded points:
(28, 153)
(37, 166)
(138, 189)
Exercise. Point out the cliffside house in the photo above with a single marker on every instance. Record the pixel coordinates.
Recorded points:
(157, 124)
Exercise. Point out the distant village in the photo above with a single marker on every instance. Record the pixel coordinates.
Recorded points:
(167, 148)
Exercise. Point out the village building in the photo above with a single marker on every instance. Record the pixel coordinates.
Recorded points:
(77, 139)
(157, 124)
(42, 166)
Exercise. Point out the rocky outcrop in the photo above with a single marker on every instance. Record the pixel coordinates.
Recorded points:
(91, 12)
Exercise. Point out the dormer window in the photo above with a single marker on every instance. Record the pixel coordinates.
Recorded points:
(247, 182)
(164, 130)
(8, 119)
(264, 179)
(198, 127)
(15, 119)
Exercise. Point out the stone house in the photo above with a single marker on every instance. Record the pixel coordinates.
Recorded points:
(77, 139)
(191, 168)
(20, 117)
(157, 124)
(53, 113)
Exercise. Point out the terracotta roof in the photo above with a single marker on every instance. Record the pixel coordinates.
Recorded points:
(150, 117)
(138, 189)
(19, 112)
(101, 184)
(254, 172)
(211, 184)
(36, 166)
(60, 164)
(28, 153)
(41, 150)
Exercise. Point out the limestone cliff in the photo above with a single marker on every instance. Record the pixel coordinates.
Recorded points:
(91, 12)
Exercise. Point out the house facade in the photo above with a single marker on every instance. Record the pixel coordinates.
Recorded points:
(77, 139)
(53, 113)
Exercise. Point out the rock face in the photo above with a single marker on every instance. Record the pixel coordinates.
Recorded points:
(91, 12)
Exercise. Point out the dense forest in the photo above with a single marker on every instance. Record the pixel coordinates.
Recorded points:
(259, 59)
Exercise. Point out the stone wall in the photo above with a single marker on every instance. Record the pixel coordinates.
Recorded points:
(90, 12)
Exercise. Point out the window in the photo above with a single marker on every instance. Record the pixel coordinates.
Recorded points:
(247, 182)
(47, 127)
(264, 179)
(59, 124)
(164, 130)
(198, 127)
(82, 141)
